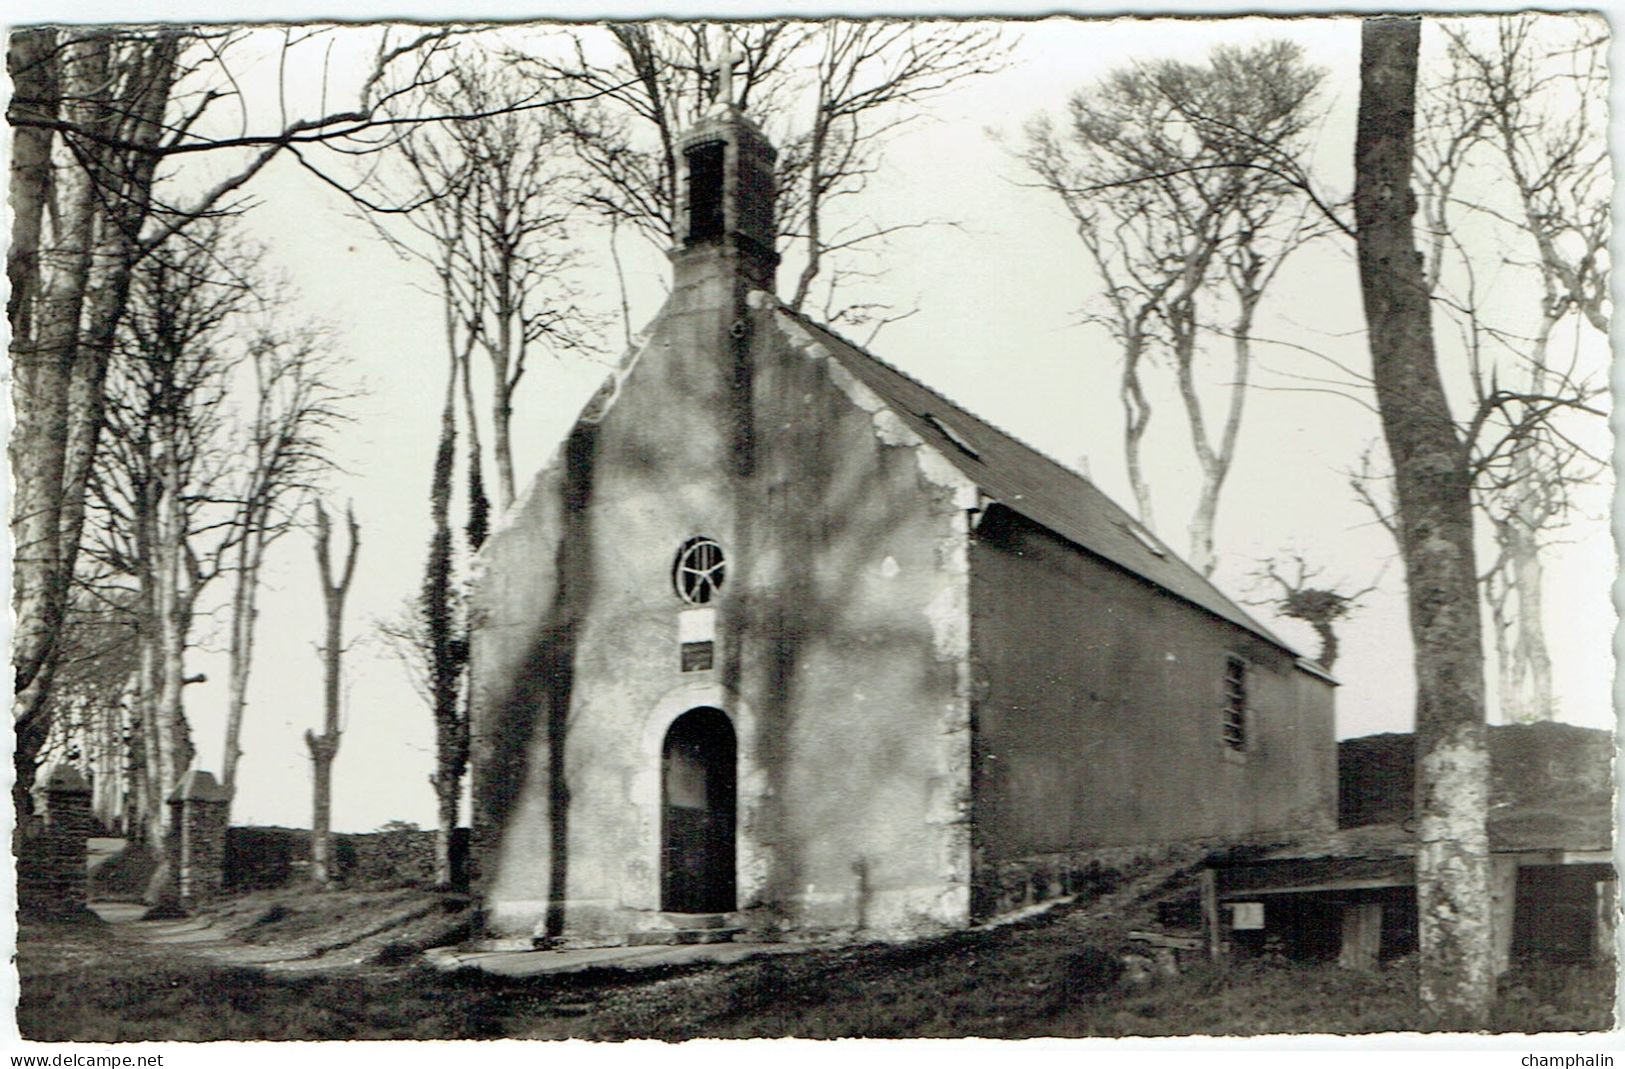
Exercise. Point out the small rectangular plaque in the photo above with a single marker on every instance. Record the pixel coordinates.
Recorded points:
(696, 656)
(1247, 916)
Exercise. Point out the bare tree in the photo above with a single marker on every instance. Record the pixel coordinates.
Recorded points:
(94, 113)
(101, 102)
(1521, 98)
(283, 451)
(659, 84)
(432, 648)
(405, 637)
(1433, 488)
(35, 75)
(859, 82)
(1172, 175)
(868, 79)
(1299, 593)
(97, 102)
(325, 747)
(432, 640)
(91, 725)
(1131, 293)
(486, 206)
(160, 475)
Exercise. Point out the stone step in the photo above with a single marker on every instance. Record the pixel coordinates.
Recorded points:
(685, 921)
(682, 937)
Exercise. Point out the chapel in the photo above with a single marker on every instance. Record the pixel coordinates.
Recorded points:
(782, 643)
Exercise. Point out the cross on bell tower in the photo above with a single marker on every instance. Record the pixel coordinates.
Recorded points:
(725, 201)
(723, 65)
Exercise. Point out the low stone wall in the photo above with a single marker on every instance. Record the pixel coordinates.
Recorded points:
(264, 858)
(407, 856)
(1004, 885)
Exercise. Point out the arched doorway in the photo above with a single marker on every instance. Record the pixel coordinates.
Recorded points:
(697, 790)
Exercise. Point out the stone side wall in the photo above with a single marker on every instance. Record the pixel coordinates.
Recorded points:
(258, 858)
(1098, 713)
(854, 651)
(51, 876)
(1005, 885)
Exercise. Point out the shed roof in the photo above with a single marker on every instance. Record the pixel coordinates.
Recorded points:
(1030, 483)
(1551, 785)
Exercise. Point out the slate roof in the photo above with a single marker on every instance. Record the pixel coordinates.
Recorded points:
(1025, 481)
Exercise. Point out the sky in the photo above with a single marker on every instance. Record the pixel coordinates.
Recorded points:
(997, 329)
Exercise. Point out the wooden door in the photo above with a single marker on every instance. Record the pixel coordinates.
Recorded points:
(697, 814)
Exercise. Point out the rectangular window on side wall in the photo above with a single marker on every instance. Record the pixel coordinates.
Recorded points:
(1234, 724)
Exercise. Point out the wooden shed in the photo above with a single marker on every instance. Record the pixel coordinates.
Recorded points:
(1351, 893)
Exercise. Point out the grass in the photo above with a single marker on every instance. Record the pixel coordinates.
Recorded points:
(1044, 977)
(397, 923)
(123, 877)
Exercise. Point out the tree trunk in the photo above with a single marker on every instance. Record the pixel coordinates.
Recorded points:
(244, 614)
(478, 524)
(1434, 492)
(1180, 315)
(620, 284)
(114, 785)
(118, 249)
(1498, 595)
(154, 811)
(1328, 643)
(322, 752)
(815, 179)
(503, 417)
(170, 749)
(445, 660)
(446, 809)
(1136, 418)
(60, 372)
(42, 367)
(32, 63)
(324, 747)
(1527, 677)
(1216, 463)
(502, 362)
(1529, 671)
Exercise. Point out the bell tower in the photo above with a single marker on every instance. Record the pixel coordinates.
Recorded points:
(725, 192)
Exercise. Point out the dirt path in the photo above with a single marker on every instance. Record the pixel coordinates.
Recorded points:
(379, 933)
(205, 937)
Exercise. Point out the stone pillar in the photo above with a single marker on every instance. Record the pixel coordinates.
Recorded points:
(51, 872)
(197, 847)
